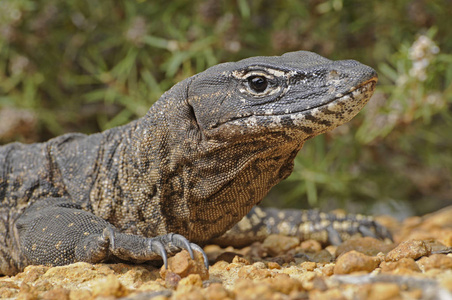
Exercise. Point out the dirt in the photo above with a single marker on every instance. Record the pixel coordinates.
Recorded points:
(418, 265)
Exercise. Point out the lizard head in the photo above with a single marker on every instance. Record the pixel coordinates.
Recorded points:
(300, 93)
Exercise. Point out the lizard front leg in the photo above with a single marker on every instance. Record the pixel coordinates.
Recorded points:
(62, 233)
(327, 228)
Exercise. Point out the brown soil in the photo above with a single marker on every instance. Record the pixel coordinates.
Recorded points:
(417, 266)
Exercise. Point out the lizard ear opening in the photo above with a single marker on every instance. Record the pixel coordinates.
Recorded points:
(192, 115)
(194, 127)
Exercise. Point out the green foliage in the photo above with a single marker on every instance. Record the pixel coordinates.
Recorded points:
(82, 65)
(399, 149)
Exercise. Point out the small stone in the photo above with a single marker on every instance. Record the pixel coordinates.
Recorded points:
(59, 293)
(182, 265)
(154, 285)
(354, 261)
(311, 246)
(246, 289)
(8, 292)
(172, 279)
(411, 248)
(109, 286)
(438, 219)
(240, 260)
(323, 256)
(283, 283)
(251, 272)
(79, 272)
(308, 265)
(319, 283)
(446, 237)
(80, 294)
(307, 279)
(188, 292)
(44, 285)
(365, 245)
(32, 273)
(27, 292)
(437, 246)
(138, 275)
(330, 294)
(226, 256)
(192, 279)
(158, 297)
(259, 265)
(436, 261)
(190, 285)
(8, 285)
(404, 265)
(220, 265)
(327, 270)
(446, 282)
(273, 265)
(216, 291)
(331, 249)
(282, 259)
(384, 291)
(279, 244)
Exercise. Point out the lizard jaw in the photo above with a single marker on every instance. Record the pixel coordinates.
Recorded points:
(312, 121)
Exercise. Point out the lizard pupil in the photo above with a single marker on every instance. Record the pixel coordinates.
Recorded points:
(258, 83)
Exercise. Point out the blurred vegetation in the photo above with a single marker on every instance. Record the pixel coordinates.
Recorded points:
(88, 65)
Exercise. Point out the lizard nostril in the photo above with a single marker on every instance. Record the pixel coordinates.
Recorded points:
(333, 75)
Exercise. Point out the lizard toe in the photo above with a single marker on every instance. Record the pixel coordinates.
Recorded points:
(156, 246)
(204, 255)
(181, 242)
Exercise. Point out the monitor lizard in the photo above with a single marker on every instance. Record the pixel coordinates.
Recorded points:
(189, 172)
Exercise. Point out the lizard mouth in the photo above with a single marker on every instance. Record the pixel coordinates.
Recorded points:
(357, 94)
(351, 103)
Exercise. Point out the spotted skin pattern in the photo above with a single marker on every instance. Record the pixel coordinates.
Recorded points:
(186, 173)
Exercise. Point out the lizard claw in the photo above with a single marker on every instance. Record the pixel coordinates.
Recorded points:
(157, 246)
(109, 235)
(172, 241)
(204, 255)
(181, 242)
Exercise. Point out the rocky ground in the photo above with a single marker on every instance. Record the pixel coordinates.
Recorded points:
(417, 266)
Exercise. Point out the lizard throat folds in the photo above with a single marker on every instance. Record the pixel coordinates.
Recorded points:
(330, 114)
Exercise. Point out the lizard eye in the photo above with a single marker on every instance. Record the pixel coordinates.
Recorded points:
(258, 83)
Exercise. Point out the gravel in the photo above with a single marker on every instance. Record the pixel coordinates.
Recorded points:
(418, 265)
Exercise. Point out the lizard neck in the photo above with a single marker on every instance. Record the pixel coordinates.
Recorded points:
(178, 180)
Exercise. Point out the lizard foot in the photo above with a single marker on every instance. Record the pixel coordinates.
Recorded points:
(61, 233)
(137, 248)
